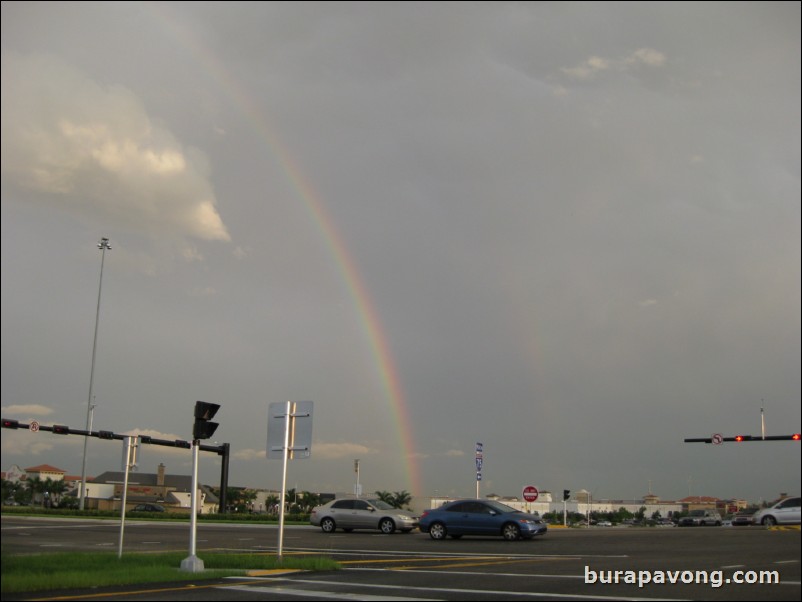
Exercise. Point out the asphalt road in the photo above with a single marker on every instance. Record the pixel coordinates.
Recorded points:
(573, 564)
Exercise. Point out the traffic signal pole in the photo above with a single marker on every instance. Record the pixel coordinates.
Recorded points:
(202, 429)
(224, 451)
(193, 564)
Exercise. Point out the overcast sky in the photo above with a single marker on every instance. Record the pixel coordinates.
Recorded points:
(570, 231)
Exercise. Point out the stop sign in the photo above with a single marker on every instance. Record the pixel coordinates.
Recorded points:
(530, 493)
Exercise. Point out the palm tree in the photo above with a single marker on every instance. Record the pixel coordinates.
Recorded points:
(310, 500)
(401, 498)
(57, 489)
(386, 497)
(290, 499)
(271, 503)
(35, 486)
(9, 489)
(247, 497)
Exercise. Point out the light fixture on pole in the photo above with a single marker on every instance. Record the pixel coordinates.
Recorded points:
(102, 245)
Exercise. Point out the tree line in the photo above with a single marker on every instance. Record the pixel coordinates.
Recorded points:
(52, 493)
(48, 493)
(242, 499)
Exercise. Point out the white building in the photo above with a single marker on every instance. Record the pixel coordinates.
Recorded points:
(581, 503)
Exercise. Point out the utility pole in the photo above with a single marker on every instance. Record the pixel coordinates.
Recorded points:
(103, 245)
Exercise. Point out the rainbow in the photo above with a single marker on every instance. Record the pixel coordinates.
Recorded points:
(315, 207)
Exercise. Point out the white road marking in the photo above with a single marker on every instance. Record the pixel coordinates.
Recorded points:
(429, 591)
(320, 595)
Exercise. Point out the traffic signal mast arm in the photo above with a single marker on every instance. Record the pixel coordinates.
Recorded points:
(740, 438)
(60, 429)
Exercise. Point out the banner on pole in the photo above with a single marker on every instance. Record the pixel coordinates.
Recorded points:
(479, 460)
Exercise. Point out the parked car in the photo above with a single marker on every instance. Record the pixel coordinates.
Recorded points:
(666, 522)
(785, 511)
(743, 517)
(701, 518)
(350, 514)
(480, 517)
(148, 508)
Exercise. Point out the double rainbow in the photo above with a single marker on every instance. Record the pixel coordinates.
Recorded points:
(173, 27)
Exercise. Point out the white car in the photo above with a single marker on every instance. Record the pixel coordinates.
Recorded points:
(785, 511)
(701, 518)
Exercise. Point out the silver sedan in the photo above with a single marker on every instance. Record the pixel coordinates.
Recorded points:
(350, 514)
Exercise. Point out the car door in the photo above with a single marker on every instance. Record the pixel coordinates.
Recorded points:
(472, 518)
(457, 518)
(789, 511)
(484, 520)
(364, 515)
(341, 511)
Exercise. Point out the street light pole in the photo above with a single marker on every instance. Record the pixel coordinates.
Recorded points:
(102, 245)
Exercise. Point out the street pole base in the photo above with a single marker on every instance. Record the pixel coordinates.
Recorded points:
(192, 564)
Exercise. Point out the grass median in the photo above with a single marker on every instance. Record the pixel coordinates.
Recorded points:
(78, 570)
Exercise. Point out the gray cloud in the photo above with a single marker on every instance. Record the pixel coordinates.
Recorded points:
(578, 227)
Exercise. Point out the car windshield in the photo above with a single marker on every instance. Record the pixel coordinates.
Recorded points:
(697, 512)
(382, 505)
(499, 507)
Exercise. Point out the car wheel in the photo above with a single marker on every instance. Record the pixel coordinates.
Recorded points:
(387, 526)
(511, 532)
(769, 521)
(328, 525)
(437, 531)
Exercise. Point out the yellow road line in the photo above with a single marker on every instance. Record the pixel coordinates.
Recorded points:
(416, 559)
(490, 562)
(266, 572)
(455, 562)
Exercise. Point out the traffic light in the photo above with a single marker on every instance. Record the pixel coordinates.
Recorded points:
(10, 424)
(60, 429)
(566, 494)
(740, 438)
(796, 436)
(105, 434)
(204, 412)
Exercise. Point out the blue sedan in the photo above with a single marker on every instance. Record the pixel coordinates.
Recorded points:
(480, 517)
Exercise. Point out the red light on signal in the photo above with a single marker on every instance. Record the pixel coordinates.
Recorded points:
(796, 436)
(739, 437)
